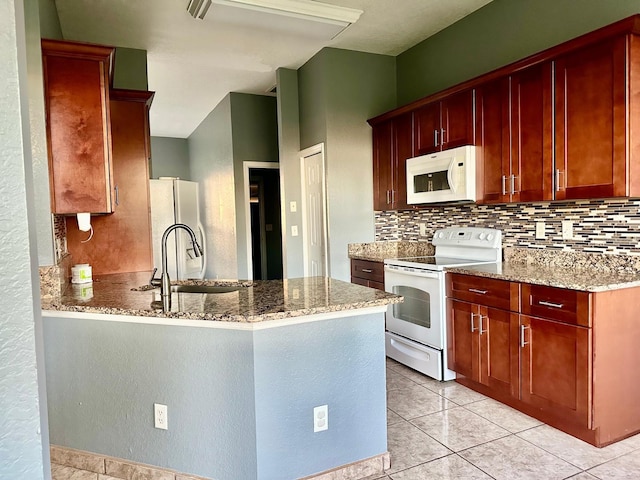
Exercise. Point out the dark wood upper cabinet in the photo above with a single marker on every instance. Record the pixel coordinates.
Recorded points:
(514, 117)
(590, 123)
(76, 84)
(392, 145)
(122, 241)
(444, 124)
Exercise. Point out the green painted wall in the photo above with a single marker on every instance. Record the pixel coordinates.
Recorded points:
(500, 33)
(339, 90)
(130, 69)
(170, 157)
(49, 21)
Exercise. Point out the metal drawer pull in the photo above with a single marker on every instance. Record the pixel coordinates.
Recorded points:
(513, 184)
(550, 304)
(472, 327)
(558, 185)
(388, 197)
(435, 137)
(522, 329)
(504, 184)
(481, 292)
(367, 270)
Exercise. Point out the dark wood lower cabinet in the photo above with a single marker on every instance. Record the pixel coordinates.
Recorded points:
(367, 273)
(575, 370)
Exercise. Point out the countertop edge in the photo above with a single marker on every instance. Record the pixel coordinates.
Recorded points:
(219, 324)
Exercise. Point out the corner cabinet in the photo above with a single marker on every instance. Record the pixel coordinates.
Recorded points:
(563, 356)
(76, 86)
(392, 145)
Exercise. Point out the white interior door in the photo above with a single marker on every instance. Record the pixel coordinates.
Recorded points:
(314, 226)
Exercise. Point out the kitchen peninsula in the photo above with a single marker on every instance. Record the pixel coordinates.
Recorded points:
(240, 373)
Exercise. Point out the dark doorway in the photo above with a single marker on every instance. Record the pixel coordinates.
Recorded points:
(266, 228)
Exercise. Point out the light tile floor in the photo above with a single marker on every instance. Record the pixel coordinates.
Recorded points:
(445, 431)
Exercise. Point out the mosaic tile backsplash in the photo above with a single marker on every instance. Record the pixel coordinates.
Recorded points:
(604, 226)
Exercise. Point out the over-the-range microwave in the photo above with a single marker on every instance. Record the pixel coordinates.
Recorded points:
(447, 176)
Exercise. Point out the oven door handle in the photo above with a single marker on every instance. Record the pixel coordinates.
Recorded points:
(413, 273)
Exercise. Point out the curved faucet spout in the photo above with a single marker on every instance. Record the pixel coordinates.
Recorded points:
(165, 283)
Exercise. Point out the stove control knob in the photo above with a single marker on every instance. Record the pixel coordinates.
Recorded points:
(440, 234)
(481, 236)
(490, 237)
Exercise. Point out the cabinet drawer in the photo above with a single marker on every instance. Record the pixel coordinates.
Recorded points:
(368, 270)
(484, 291)
(568, 306)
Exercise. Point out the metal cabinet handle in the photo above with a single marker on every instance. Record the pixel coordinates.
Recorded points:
(481, 331)
(522, 329)
(442, 131)
(513, 184)
(504, 184)
(481, 292)
(551, 304)
(473, 329)
(393, 196)
(558, 173)
(435, 137)
(367, 270)
(117, 190)
(388, 197)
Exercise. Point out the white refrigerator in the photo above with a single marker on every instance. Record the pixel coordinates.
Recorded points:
(176, 201)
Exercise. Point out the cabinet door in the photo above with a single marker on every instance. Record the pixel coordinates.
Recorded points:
(462, 340)
(457, 120)
(556, 368)
(427, 127)
(590, 127)
(532, 134)
(122, 240)
(493, 119)
(76, 81)
(382, 165)
(499, 355)
(402, 149)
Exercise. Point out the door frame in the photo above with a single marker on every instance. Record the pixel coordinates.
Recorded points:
(308, 152)
(246, 167)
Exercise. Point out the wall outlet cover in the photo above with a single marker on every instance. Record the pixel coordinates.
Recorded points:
(160, 416)
(567, 229)
(320, 418)
(540, 231)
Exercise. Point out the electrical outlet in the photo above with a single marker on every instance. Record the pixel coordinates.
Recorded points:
(320, 418)
(293, 206)
(160, 416)
(294, 230)
(567, 229)
(423, 229)
(540, 233)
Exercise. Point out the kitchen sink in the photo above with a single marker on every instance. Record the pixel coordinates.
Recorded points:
(205, 288)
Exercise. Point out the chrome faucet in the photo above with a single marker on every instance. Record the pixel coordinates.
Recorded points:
(165, 281)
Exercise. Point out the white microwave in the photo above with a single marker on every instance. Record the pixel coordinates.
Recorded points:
(447, 176)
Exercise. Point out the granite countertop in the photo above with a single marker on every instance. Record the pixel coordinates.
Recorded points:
(380, 251)
(584, 279)
(256, 301)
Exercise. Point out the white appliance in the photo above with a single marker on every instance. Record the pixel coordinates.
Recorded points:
(417, 328)
(176, 201)
(447, 176)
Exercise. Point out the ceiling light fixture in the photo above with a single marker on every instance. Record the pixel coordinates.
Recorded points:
(302, 9)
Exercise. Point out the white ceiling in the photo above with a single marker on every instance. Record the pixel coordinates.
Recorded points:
(193, 64)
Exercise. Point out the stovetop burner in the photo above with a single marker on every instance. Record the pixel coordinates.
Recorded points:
(433, 263)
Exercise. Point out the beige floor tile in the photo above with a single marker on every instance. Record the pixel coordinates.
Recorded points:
(582, 476)
(409, 447)
(512, 458)
(459, 394)
(61, 472)
(459, 429)
(626, 467)
(503, 415)
(570, 449)
(393, 417)
(416, 401)
(396, 380)
(632, 442)
(451, 467)
(416, 376)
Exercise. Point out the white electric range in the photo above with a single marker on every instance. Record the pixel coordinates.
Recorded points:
(416, 329)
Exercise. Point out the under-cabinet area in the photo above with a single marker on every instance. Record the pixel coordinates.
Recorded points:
(557, 354)
(557, 125)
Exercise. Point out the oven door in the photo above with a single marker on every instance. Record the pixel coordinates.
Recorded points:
(420, 317)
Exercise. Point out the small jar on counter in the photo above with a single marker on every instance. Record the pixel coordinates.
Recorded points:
(81, 273)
